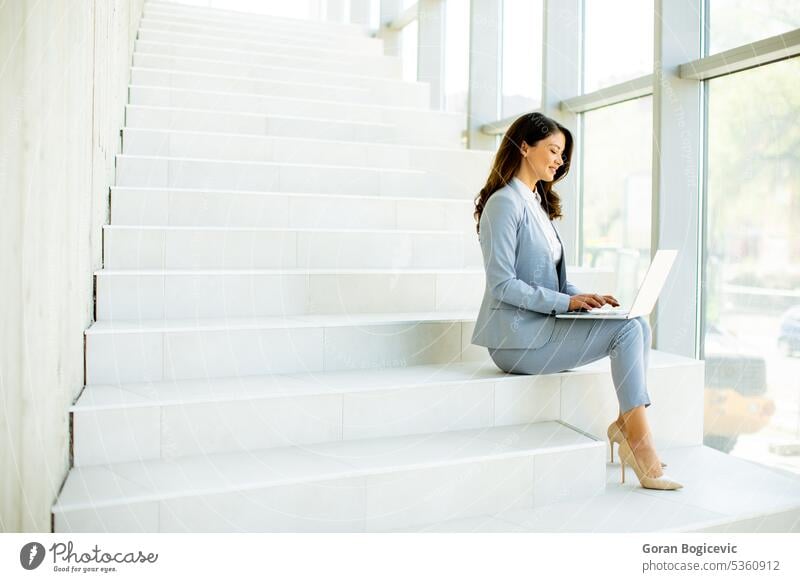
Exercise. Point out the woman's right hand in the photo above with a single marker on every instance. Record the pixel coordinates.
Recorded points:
(586, 301)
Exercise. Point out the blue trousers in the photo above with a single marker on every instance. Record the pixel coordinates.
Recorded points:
(576, 342)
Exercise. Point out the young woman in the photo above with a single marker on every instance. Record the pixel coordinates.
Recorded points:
(526, 286)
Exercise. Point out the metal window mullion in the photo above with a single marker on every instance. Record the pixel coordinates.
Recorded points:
(625, 91)
(769, 50)
(389, 11)
(485, 58)
(677, 144)
(430, 49)
(562, 49)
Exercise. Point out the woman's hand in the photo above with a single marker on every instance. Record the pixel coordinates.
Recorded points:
(590, 300)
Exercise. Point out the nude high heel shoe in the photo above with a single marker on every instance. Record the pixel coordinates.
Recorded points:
(615, 436)
(626, 456)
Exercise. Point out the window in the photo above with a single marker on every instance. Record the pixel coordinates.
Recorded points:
(733, 23)
(617, 178)
(456, 55)
(408, 47)
(751, 292)
(618, 43)
(522, 56)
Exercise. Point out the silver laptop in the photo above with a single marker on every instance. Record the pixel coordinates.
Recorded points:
(646, 297)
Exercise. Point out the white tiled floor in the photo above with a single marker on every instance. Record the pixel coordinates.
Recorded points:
(720, 493)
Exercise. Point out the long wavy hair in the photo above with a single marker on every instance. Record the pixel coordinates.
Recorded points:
(530, 128)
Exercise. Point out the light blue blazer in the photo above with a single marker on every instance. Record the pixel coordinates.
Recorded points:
(524, 288)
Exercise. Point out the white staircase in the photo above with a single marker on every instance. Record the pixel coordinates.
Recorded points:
(283, 320)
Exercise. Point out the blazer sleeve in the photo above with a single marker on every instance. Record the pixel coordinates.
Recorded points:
(572, 289)
(498, 238)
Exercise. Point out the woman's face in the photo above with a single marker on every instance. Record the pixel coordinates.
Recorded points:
(544, 158)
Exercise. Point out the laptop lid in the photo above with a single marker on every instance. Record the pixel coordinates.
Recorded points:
(653, 282)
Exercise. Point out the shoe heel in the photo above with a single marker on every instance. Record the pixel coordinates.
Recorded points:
(622, 465)
(611, 446)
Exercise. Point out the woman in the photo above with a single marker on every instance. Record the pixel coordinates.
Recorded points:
(526, 286)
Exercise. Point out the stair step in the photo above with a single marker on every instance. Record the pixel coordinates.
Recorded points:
(442, 133)
(407, 94)
(167, 419)
(473, 165)
(186, 417)
(235, 16)
(162, 171)
(207, 207)
(348, 42)
(245, 40)
(228, 68)
(212, 293)
(721, 494)
(145, 118)
(211, 247)
(178, 294)
(155, 350)
(440, 127)
(313, 59)
(358, 485)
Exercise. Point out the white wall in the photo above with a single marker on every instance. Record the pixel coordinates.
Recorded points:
(64, 70)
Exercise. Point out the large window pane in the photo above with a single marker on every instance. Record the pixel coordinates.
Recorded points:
(736, 22)
(618, 42)
(522, 56)
(751, 295)
(408, 48)
(617, 180)
(456, 55)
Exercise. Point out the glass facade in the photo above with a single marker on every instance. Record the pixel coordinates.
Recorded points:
(617, 177)
(732, 23)
(749, 241)
(408, 48)
(522, 56)
(751, 294)
(456, 55)
(618, 42)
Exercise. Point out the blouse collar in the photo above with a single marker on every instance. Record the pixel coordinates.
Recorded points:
(523, 189)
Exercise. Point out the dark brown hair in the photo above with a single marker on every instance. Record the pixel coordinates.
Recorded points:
(530, 128)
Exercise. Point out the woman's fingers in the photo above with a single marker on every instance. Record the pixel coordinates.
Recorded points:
(591, 301)
(612, 300)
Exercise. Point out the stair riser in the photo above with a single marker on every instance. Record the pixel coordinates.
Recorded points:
(267, 44)
(228, 16)
(156, 296)
(341, 42)
(376, 502)
(226, 249)
(275, 126)
(268, 177)
(675, 417)
(370, 66)
(171, 431)
(138, 357)
(286, 75)
(303, 29)
(203, 208)
(410, 95)
(471, 166)
(411, 126)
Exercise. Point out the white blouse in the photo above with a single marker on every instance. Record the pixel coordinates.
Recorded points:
(534, 201)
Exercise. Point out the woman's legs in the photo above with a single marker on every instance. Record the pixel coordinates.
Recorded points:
(578, 342)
